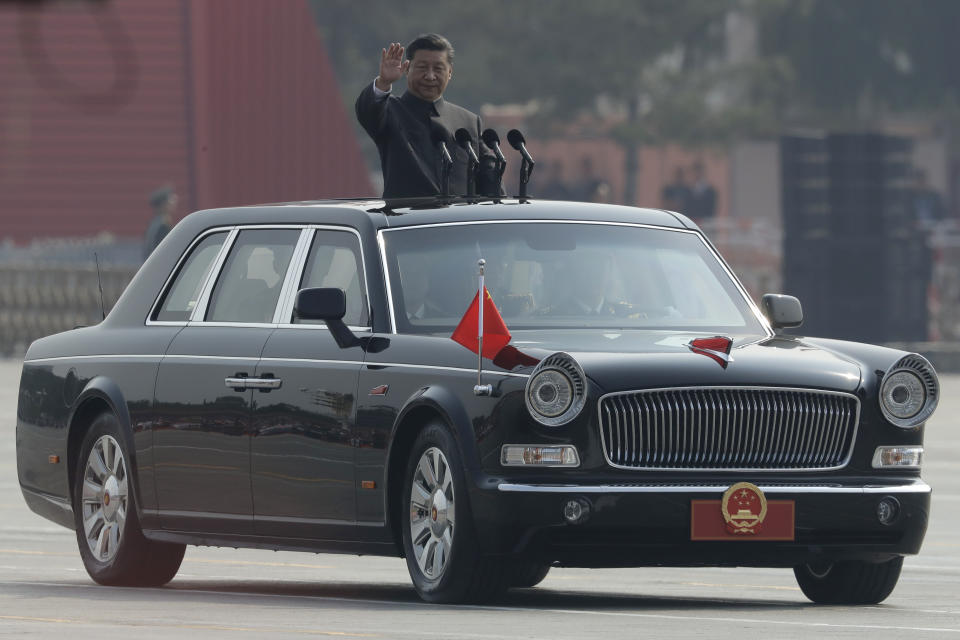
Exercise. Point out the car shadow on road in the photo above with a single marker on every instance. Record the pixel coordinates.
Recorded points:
(366, 594)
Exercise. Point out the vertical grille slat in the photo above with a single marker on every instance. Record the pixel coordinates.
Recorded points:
(728, 428)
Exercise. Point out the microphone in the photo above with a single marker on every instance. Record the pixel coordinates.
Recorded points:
(440, 136)
(517, 141)
(465, 140)
(492, 140)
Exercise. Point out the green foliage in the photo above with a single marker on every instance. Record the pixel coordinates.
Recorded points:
(821, 61)
(855, 59)
(561, 53)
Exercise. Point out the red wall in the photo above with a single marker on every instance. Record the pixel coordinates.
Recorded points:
(270, 123)
(233, 101)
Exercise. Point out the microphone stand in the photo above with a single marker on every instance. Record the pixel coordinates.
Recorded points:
(447, 163)
(516, 140)
(465, 141)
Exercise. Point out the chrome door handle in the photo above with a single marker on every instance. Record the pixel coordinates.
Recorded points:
(237, 384)
(263, 383)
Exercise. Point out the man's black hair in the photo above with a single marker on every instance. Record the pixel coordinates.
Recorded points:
(430, 42)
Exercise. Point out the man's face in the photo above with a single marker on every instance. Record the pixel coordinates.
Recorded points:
(429, 73)
(170, 205)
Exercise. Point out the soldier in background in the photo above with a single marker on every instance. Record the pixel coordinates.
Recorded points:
(675, 196)
(163, 201)
(702, 204)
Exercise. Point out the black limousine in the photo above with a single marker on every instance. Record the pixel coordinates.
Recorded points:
(283, 377)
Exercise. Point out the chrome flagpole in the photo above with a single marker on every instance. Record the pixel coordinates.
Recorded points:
(481, 389)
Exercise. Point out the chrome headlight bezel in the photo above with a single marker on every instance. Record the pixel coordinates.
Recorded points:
(915, 375)
(561, 374)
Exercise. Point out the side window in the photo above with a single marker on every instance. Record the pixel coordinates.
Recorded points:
(249, 286)
(181, 298)
(335, 262)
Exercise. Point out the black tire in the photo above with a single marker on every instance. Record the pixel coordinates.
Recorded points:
(130, 559)
(850, 582)
(528, 574)
(466, 575)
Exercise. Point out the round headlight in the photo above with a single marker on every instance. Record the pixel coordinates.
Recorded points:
(556, 390)
(550, 393)
(903, 395)
(909, 392)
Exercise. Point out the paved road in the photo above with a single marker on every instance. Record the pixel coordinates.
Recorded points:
(227, 593)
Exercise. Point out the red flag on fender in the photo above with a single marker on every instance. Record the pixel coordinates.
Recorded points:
(495, 332)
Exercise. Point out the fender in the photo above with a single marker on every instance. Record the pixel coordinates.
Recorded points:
(449, 406)
(105, 389)
(445, 403)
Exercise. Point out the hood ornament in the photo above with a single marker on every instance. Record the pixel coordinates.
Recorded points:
(716, 348)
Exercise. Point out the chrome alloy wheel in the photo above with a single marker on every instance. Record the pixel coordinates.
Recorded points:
(104, 498)
(432, 513)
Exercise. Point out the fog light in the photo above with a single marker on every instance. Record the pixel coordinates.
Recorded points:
(897, 457)
(888, 510)
(527, 455)
(576, 510)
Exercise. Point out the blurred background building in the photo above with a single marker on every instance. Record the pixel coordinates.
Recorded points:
(815, 141)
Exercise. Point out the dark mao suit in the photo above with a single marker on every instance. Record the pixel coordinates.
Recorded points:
(410, 161)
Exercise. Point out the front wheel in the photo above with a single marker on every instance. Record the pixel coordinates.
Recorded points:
(439, 540)
(849, 582)
(112, 546)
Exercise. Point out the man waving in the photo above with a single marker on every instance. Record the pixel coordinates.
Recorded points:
(401, 127)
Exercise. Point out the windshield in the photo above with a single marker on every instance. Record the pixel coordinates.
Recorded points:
(560, 275)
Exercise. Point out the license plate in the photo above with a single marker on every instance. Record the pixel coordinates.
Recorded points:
(743, 513)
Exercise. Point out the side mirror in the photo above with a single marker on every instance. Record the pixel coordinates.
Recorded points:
(782, 311)
(329, 305)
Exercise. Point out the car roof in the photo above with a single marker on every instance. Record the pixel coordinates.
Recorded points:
(434, 210)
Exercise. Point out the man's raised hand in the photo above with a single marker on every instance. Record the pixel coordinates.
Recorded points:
(392, 66)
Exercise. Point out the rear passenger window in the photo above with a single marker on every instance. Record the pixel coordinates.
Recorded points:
(249, 284)
(182, 296)
(335, 262)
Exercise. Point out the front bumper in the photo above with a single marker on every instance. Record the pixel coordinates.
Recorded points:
(649, 524)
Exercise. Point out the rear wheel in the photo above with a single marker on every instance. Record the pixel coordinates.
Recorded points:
(112, 546)
(439, 540)
(849, 582)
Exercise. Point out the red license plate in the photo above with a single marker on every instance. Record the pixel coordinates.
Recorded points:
(710, 521)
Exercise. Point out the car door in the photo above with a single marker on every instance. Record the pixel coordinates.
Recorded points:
(302, 460)
(203, 392)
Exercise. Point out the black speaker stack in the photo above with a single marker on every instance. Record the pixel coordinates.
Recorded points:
(852, 251)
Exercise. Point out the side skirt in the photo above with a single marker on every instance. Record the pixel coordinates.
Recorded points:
(351, 547)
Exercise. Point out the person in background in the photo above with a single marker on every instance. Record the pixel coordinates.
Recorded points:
(554, 187)
(676, 195)
(163, 201)
(703, 197)
(589, 187)
(401, 127)
(926, 203)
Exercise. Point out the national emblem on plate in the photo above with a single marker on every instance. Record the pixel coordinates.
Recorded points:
(744, 508)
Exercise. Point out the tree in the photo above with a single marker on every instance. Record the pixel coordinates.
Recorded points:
(656, 57)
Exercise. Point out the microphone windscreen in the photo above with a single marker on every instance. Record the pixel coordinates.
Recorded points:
(438, 133)
(464, 139)
(490, 138)
(515, 138)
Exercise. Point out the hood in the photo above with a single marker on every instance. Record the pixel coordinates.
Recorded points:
(618, 361)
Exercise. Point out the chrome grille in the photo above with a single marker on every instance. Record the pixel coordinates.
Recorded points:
(728, 428)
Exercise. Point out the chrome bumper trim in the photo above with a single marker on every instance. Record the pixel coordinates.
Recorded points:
(918, 486)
